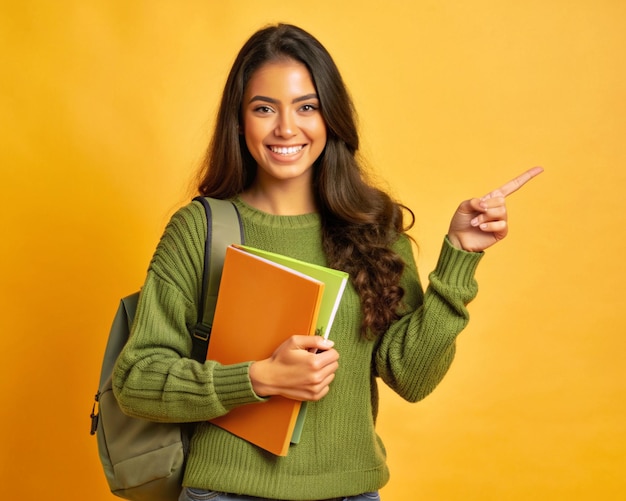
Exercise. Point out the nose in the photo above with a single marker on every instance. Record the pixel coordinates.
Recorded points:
(286, 125)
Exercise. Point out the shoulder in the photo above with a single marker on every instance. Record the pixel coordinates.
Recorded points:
(187, 226)
(403, 246)
(183, 237)
(188, 218)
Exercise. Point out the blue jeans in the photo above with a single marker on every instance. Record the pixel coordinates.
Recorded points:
(190, 494)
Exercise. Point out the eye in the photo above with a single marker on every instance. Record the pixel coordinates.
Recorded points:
(263, 109)
(309, 107)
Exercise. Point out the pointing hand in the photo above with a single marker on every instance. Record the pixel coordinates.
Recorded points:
(479, 223)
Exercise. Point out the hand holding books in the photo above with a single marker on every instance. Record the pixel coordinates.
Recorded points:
(301, 368)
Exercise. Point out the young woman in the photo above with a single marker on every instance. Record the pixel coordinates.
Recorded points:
(285, 151)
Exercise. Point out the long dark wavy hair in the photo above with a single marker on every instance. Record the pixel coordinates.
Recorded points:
(359, 221)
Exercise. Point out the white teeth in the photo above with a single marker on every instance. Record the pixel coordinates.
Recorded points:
(281, 150)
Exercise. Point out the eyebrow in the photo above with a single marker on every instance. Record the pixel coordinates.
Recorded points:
(271, 100)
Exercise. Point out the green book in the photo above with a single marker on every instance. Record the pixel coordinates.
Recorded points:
(334, 284)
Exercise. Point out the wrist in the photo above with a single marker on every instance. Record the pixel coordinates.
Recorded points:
(454, 241)
(258, 379)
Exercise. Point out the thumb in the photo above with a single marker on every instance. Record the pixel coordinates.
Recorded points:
(313, 343)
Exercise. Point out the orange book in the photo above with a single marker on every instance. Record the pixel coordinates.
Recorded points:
(261, 304)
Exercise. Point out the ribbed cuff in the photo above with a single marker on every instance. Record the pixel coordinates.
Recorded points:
(456, 267)
(233, 386)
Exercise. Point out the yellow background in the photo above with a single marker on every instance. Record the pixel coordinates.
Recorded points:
(106, 108)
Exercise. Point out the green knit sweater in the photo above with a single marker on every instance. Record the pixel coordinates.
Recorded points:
(340, 453)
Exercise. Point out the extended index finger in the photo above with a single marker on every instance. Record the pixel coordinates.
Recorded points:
(515, 184)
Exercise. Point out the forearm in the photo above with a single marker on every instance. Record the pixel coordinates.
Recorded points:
(156, 379)
(415, 354)
(181, 390)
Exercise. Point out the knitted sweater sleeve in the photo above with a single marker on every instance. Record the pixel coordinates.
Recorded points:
(413, 356)
(154, 378)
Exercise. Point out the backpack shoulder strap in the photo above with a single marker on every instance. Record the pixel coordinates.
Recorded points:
(224, 227)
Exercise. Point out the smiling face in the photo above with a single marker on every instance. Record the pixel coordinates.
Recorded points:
(282, 123)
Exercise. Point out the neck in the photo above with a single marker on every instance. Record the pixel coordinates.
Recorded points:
(281, 200)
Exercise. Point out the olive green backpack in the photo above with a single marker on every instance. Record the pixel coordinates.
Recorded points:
(145, 460)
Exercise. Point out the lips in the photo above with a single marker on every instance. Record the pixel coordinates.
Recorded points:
(286, 150)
